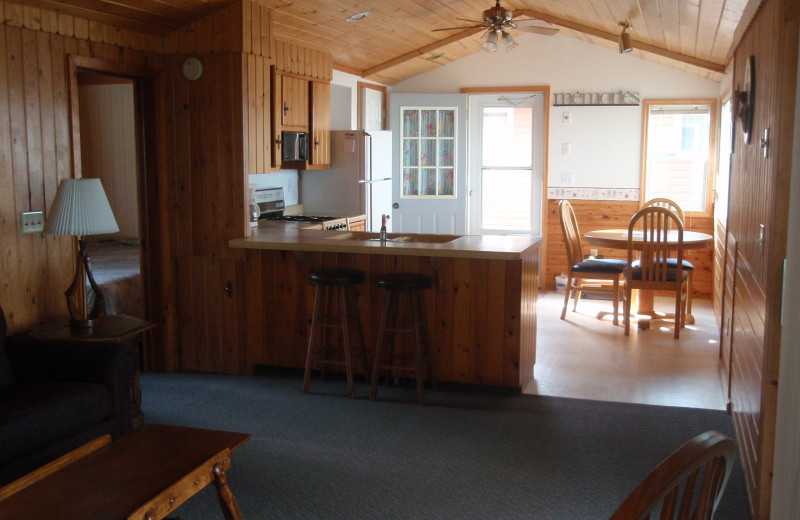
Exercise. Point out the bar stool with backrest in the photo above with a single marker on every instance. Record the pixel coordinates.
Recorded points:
(341, 282)
(601, 271)
(410, 285)
(687, 265)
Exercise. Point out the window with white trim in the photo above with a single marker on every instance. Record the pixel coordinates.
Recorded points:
(679, 152)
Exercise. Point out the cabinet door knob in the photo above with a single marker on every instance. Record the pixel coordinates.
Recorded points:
(285, 108)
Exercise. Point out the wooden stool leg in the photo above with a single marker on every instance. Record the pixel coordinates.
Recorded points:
(391, 328)
(420, 373)
(426, 336)
(325, 317)
(311, 337)
(373, 392)
(360, 331)
(345, 319)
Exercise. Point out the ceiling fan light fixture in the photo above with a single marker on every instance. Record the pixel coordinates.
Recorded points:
(490, 45)
(625, 44)
(509, 42)
(358, 16)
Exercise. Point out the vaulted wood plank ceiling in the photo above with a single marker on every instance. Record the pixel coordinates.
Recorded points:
(396, 40)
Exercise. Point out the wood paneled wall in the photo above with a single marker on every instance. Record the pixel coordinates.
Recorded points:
(595, 214)
(196, 192)
(108, 149)
(481, 313)
(759, 195)
(36, 143)
(295, 59)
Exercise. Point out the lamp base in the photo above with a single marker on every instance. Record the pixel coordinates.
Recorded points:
(76, 293)
(85, 324)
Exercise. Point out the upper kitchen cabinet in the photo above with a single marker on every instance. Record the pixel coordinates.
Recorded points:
(301, 101)
(291, 94)
(320, 128)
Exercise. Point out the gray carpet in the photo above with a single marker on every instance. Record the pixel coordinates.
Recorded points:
(465, 455)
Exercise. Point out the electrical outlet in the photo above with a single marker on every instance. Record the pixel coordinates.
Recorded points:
(593, 253)
(31, 222)
(567, 178)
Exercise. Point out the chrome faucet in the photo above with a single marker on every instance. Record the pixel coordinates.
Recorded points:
(384, 218)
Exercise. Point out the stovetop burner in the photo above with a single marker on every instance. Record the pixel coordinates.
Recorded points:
(297, 218)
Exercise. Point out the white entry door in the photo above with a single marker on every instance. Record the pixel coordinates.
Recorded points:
(506, 163)
(429, 171)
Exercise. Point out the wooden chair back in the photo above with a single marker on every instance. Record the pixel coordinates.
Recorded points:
(665, 203)
(656, 224)
(572, 236)
(687, 485)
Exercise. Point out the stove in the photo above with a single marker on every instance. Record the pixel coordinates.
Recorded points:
(280, 217)
(271, 206)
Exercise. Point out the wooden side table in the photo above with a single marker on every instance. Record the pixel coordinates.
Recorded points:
(119, 327)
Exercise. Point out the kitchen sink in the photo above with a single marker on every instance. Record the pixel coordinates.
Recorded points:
(396, 237)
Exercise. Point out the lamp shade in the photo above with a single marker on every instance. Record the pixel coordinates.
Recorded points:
(80, 208)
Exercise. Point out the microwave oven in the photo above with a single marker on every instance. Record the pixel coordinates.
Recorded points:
(294, 146)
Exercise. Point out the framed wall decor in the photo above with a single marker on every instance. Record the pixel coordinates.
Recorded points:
(745, 99)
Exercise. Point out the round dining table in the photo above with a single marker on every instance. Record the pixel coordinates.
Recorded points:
(618, 239)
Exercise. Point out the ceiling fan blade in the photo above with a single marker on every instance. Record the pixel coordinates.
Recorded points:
(537, 29)
(532, 22)
(455, 28)
(465, 20)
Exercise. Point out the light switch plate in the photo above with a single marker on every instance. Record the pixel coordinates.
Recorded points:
(565, 148)
(566, 118)
(31, 222)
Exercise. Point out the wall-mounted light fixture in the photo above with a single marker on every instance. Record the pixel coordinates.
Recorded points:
(625, 44)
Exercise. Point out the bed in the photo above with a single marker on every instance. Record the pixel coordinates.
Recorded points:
(116, 267)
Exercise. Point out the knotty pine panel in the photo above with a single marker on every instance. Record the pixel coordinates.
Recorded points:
(304, 61)
(747, 355)
(481, 313)
(718, 287)
(595, 214)
(759, 194)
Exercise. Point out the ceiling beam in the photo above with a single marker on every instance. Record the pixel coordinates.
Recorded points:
(613, 37)
(419, 52)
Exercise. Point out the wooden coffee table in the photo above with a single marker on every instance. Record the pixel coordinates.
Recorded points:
(144, 475)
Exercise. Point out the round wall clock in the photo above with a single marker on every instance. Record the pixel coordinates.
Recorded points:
(746, 99)
(192, 69)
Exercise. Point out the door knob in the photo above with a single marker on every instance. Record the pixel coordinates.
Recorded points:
(395, 205)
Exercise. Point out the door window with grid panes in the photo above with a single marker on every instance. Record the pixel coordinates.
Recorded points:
(428, 152)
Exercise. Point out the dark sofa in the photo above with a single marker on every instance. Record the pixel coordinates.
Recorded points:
(57, 395)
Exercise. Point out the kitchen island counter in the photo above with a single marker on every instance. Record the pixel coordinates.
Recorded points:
(276, 236)
(481, 308)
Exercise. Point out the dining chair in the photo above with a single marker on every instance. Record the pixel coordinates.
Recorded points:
(687, 265)
(599, 271)
(687, 485)
(652, 271)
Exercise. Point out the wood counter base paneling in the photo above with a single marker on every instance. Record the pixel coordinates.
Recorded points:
(482, 313)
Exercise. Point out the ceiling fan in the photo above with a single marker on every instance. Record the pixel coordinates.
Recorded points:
(496, 21)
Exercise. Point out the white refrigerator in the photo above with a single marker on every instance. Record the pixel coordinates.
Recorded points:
(359, 180)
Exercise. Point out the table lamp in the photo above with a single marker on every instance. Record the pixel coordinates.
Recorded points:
(81, 208)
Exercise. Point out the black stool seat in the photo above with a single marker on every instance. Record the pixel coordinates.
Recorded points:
(337, 276)
(405, 281)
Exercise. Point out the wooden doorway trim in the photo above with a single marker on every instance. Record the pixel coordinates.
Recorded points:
(157, 273)
(384, 100)
(545, 91)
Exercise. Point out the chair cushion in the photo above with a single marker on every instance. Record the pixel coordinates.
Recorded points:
(600, 265)
(672, 274)
(336, 277)
(671, 262)
(32, 416)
